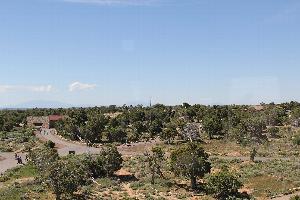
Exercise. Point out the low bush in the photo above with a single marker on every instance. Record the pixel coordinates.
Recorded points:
(296, 140)
(223, 185)
(50, 144)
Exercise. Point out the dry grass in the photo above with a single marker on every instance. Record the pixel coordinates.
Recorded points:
(264, 186)
(225, 148)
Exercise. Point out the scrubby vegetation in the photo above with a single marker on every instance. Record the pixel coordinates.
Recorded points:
(205, 152)
(17, 139)
(244, 124)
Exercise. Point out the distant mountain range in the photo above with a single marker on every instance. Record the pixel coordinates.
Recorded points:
(57, 104)
(38, 104)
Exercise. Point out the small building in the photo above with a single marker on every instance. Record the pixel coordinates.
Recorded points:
(46, 122)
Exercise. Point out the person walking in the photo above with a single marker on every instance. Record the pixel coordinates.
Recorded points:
(20, 160)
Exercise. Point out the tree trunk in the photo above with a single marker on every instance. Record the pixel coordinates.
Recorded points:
(152, 178)
(58, 197)
(209, 136)
(193, 182)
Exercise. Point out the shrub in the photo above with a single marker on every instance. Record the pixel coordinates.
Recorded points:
(43, 157)
(155, 162)
(105, 164)
(4, 178)
(296, 140)
(223, 185)
(111, 159)
(273, 131)
(50, 144)
(117, 135)
(191, 161)
(253, 154)
(67, 176)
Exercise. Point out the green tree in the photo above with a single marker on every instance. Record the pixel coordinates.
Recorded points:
(94, 128)
(190, 160)
(255, 128)
(1, 122)
(169, 133)
(136, 115)
(275, 116)
(117, 135)
(155, 127)
(137, 129)
(186, 105)
(66, 176)
(296, 140)
(238, 132)
(274, 131)
(68, 128)
(112, 160)
(212, 126)
(79, 115)
(253, 154)
(104, 164)
(296, 113)
(155, 162)
(295, 117)
(43, 158)
(50, 144)
(223, 185)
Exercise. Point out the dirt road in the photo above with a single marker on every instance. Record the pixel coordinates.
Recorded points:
(8, 161)
(259, 159)
(64, 146)
(286, 197)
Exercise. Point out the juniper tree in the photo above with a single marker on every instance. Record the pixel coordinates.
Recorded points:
(190, 160)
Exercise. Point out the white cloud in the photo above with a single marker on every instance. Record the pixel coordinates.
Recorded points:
(28, 88)
(114, 2)
(81, 86)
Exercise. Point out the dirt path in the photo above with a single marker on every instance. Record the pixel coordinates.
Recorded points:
(64, 146)
(286, 197)
(260, 159)
(8, 161)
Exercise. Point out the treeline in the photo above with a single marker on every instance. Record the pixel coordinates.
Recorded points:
(241, 123)
(134, 123)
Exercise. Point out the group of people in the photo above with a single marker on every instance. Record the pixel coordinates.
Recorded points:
(44, 131)
(19, 159)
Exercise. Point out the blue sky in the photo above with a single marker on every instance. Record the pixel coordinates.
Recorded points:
(101, 52)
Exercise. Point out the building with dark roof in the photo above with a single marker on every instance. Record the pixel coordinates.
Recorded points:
(46, 122)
